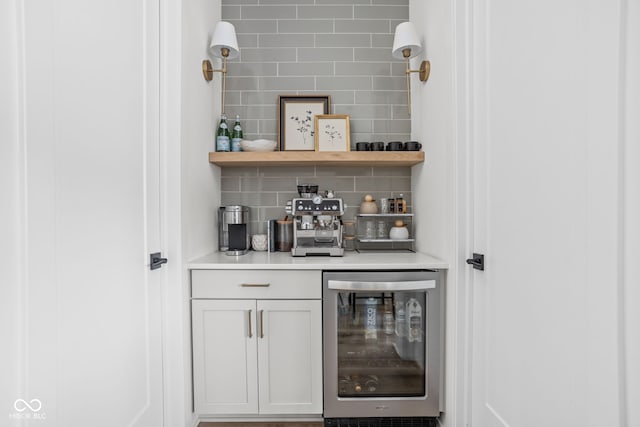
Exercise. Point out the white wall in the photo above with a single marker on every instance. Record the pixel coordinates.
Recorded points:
(200, 188)
(11, 251)
(631, 246)
(200, 113)
(432, 123)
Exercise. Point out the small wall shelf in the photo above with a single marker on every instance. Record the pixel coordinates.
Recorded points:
(299, 158)
(377, 241)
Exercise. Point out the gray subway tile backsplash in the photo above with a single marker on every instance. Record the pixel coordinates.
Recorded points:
(381, 12)
(288, 2)
(239, 2)
(242, 69)
(387, 97)
(363, 69)
(263, 97)
(286, 40)
(325, 12)
(262, 54)
(340, 48)
(268, 189)
(305, 26)
(267, 12)
(367, 26)
(343, 40)
(230, 12)
(305, 68)
(380, 54)
(255, 26)
(287, 84)
(343, 83)
(328, 54)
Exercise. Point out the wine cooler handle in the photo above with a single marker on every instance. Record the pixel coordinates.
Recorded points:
(250, 333)
(414, 285)
(261, 324)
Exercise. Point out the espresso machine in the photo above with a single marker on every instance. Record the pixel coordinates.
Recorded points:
(317, 226)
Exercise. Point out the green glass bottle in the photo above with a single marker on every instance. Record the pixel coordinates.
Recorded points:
(222, 137)
(236, 135)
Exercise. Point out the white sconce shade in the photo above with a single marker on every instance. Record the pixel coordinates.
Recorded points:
(406, 44)
(224, 36)
(224, 45)
(406, 37)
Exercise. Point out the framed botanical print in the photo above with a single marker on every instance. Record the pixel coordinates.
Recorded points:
(296, 131)
(332, 132)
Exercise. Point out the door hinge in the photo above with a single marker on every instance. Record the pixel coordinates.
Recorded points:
(477, 261)
(156, 260)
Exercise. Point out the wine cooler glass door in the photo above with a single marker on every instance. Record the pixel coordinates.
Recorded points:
(380, 339)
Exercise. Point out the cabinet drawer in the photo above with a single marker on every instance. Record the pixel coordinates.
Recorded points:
(258, 284)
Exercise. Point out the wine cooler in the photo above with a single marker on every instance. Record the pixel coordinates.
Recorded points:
(383, 344)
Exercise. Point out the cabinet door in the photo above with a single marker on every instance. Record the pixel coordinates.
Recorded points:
(290, 356)
(224, 357)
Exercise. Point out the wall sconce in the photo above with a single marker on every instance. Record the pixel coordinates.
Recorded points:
(406, 45)
(224, 45)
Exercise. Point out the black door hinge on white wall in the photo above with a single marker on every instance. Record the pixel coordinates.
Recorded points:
(477, 261)
(156, 261)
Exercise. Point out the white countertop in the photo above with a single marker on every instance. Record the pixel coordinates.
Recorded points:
(284, 261)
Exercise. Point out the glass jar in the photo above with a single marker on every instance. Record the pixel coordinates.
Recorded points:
(349, 243)
(369, 229)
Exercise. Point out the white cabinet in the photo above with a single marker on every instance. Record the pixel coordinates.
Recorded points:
(255, 349)
(225, 360)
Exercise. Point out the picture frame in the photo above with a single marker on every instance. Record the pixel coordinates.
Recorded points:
(333, 133)
(296, 120)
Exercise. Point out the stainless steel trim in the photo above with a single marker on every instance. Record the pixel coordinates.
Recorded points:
(255, 285)
(417, 285)
(250, 334)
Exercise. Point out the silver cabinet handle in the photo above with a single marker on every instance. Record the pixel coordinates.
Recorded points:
(261, 324)
(250, 333)
(255, 285)
(416, 285)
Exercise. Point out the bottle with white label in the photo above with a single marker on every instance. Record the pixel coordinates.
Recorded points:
(388, 324)
(236, 135)
(223, 140)
(370, 319)
(414, 314)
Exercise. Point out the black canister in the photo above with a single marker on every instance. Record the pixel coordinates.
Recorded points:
(272, 231)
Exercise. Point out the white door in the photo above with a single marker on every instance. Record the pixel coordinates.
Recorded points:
(545, 141)
(225, 356)
(84, 202)
(290, 356)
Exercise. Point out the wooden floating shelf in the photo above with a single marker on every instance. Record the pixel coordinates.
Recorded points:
(312, 158)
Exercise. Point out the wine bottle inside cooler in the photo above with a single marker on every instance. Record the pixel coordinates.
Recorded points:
(370, 319)
(414, 314)
(401, 319)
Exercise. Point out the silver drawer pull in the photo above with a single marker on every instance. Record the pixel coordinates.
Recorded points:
(255, 285)
(261, 323)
